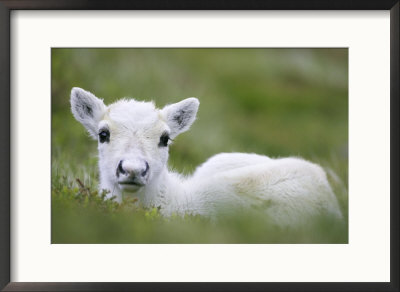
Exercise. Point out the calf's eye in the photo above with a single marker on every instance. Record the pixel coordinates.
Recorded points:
(104, 136)
(163, 140)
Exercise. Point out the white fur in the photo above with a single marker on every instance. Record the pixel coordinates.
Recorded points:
(289, 190)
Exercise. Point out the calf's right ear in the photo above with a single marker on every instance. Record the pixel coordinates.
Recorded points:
(87, 109)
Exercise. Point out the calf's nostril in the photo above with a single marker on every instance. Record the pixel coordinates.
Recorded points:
(144, 172)
(120, 169)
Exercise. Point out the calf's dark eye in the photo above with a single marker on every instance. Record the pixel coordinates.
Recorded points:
(163, 140)
(104, 136)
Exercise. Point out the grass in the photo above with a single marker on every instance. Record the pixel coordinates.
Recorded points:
(277, 102)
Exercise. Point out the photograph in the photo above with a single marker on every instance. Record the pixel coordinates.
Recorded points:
(199, 145)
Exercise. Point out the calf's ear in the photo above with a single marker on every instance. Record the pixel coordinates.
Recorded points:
(87, 109)
(180, 116)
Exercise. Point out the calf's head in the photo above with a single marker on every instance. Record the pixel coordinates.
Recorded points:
(133, 136)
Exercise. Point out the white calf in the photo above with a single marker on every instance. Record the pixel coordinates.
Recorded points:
(133, 139)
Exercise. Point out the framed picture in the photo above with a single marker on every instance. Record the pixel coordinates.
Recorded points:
(247, 149)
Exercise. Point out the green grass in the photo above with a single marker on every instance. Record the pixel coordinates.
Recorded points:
(277, 102)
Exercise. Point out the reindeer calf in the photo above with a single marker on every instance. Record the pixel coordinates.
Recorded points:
(133, 141)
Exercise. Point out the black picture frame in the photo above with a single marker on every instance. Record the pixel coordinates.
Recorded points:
(5, 113)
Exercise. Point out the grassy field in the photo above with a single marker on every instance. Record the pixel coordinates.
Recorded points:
(277, 102)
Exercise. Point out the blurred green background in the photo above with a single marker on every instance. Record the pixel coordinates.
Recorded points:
(277, 102)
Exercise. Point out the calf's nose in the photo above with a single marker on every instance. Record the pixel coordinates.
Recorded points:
(132, 170)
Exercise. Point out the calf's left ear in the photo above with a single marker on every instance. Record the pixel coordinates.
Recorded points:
(87, 109)
(180, 116)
